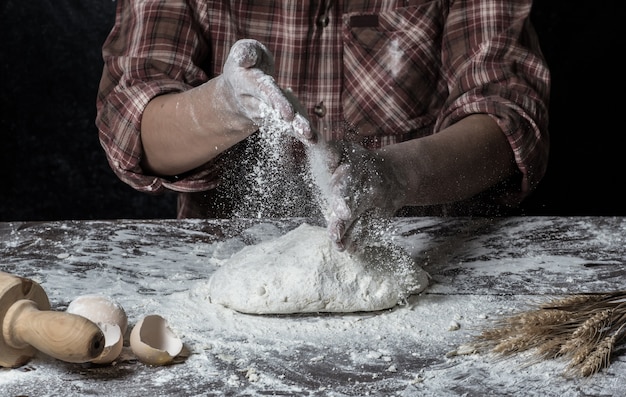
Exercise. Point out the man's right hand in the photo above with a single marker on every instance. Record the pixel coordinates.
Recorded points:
(182, 131)
(246, 90)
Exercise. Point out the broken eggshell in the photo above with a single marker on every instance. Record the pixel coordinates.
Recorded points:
(99, 309)
(153, 342)
(110, 318)
(113, 343)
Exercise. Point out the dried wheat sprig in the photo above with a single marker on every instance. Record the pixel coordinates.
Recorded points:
(593, 326)
(550, 348)
(598, 358)
(495, 334)
(573, 346)
(574, 302)
(538, 317)
(583, 328)
(532, 330)
(546, 318)
(589, 302)
(580, 354)
(515, 344)
(534, 323)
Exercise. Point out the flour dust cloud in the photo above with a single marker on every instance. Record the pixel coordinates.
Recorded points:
(267, 176)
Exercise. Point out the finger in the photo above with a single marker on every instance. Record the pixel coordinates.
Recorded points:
(341, 187)
(265, 60)
(243, 54)
(274, 97)
(248, 53)
(254, 56)
(340, 208)
(336, 229)
(338, 221)
(303, 129)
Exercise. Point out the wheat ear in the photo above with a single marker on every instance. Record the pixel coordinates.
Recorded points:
(584, 329)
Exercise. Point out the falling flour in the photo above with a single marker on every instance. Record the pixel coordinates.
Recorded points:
(265, 178)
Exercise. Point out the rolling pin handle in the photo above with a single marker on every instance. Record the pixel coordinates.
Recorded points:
(64, 336)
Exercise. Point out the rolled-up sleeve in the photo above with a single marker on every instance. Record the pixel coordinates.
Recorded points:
(151, 50)
(492, 64)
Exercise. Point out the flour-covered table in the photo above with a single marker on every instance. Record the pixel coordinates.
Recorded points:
(481, 269)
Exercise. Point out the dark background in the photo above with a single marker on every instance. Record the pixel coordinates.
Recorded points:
(53, 168)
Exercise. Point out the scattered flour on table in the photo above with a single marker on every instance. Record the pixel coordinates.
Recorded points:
(236, 354)
(301, 272)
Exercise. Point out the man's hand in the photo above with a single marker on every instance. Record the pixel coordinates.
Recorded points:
(182, 131)
(246, 90)
(362, 183)
(452, 165)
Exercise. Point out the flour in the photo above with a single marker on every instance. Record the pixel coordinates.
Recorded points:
(263, 177)
(300, 272)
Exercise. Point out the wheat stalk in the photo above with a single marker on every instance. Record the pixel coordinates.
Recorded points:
(598, 358)
(580, 354)
(515, 344)
(583, 329)
(574, 302)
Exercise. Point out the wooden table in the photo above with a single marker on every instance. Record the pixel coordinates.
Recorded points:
(481, 269)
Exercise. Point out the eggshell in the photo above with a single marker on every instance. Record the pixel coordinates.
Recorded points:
(99, 309)
(113, 343)
(110, 318)
(153, 342)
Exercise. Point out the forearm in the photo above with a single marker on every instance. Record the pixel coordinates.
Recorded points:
(454, 164)
(182, 131)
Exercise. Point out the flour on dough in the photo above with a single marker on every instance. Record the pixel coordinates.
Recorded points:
(300, 272)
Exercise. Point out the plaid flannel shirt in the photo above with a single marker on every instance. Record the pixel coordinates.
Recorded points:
(373, 71)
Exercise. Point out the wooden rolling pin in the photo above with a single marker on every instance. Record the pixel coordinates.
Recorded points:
(29, 326)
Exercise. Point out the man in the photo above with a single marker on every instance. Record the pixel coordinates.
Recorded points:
(423, 103)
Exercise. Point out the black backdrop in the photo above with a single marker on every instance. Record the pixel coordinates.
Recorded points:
(53, 168)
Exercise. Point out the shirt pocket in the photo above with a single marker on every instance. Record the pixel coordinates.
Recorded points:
(391, 63)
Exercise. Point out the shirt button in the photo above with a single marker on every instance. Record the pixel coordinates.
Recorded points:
(322, 21)
(320, 110)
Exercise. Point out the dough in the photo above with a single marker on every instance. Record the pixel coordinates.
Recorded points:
(300, 272)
